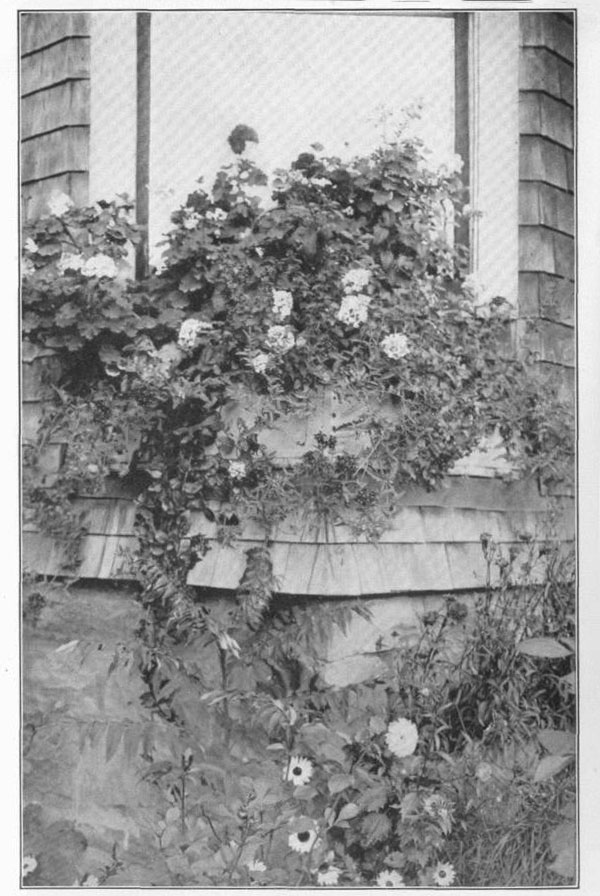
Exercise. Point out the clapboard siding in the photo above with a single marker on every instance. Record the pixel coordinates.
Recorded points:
(55, 108)
(546, 188)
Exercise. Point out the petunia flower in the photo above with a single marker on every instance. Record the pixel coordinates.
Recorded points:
(402, 737)
(390, 879)
(299, 771)
(444, 874)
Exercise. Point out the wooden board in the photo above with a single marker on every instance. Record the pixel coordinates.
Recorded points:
(68, 60)
(40, 29)
(61, 105)
(59, 152)
(35, 196)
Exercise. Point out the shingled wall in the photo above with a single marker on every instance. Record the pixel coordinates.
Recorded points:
(546, 187)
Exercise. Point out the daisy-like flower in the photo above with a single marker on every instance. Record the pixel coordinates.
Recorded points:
(190, 330)
(28, 865)
(390, 879)
(282, 303)
(256, 866)
(356, 279)
(260, 362)
(402, 737)
(30, 245)
(69, 262)
(237, 469)
(395, 346)
(59, 203)
(354, 309)
(436, 806)
(99, 266)
(328, 876)
(299, 771)
(280, 339)
(303, 840)
(444, 874)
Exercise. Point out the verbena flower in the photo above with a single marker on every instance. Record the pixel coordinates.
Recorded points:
(28, 865)
(300, 770)
(390, 879)
(395, 346)
(402, 737)
(30, 245)
(356, 279)
(59, 203)
(444, 874)
(237, 469)
(282, 303)
(260, 362)
(354, 309)
(189, 331)
(69, 262)
(280, 339)
(328, 876)
(99, 266)
(303, 840)
(256, 866)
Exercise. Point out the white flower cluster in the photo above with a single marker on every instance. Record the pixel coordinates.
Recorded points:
(191, 220)
(282, 303)
(395, 346)
(189, 332)
(69, 263)
(217, 215)
(260, 362)
(99, 266)
(357, 279)
(30, 245)
(280, 339)
(237, 469)
(354, 309)
(59, 203)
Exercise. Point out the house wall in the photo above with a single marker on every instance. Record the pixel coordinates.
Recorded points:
(55, 120)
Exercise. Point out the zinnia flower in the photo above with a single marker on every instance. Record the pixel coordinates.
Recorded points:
(69, 262)
(300, 770)
(402, 737)
(237, 469)
(356, 279)
(395, 346)
(99, 266)
(59, 203)
(28, 865)
(329, 876)
(444, 874)
(304, 838)
(189, 331)
(282, 303)
(280, 339)
(390, 879)
(260, 362)
(256, 866)
(354, 309)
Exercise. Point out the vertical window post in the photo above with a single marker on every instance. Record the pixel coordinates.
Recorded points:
(142, 148)
(462, 139)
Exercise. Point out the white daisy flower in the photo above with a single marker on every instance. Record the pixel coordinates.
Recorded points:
(280, 339)
(30, 245)
(356, 279)
(256, 866)
(444, 874)
(190, 330)
(260, 362)
(395, 346)
(354, 309)
(299, 770)
(282, 303)
(402, 737)
(28, 865)
(390, 879)
(329, 876)
(59, 203)
(303, 840)
(69, 262)
(99, 266)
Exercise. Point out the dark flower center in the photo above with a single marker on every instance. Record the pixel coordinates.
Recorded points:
(297, 770)
(303, 836)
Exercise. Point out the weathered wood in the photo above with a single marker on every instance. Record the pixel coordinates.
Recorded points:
(65, 104)
(546, 29)
(541, 114)
(60, 152)
(536, 249)
(546, 205)
(35, 196)
(69, 60)
(542, 160)
(40, 29)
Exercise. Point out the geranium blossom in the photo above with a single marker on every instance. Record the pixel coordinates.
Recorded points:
(282, 303)
(237, 469)
(402, 737)
(28, 865)
(280, 339)
(356, 279)
(329, 876)
(304, 839)
(354, 310)
(190, 330)
(395, 346)
(444, 874)
(69, 262)
(99, 266)
(59, 203)
(261, 361)
(390, 879)
(300, 770)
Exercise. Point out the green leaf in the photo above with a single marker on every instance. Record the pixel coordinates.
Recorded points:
(374, 799)
(114, 733)
(376, 827)
(544, 648)
(350, 810)
(550, 766)
(337, 783)
(559, 743)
